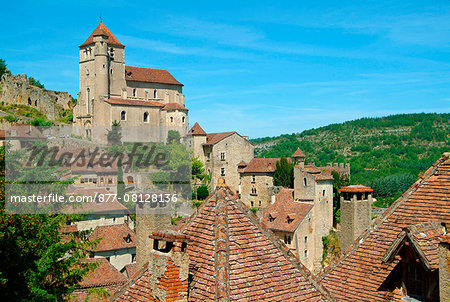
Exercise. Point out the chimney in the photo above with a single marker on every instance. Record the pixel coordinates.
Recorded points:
(444, 268)
(169, 266)
(148, 220)
(356, 213)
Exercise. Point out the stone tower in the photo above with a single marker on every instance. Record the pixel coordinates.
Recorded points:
(356, 212)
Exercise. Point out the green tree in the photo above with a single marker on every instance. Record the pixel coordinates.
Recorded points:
(284, 174)
(35, 82)
(3, 68)
(173, 137)
(202, 192)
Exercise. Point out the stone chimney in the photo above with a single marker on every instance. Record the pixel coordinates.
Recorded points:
(355, 213)
(148, 221)
(444, 268)
(169, 266)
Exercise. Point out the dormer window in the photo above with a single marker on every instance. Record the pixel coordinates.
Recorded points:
(128, 238)
(290, 218)
(272, 217)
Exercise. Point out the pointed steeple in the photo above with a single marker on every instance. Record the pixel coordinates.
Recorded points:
(101, 29)
(197, 130)
(298, 154)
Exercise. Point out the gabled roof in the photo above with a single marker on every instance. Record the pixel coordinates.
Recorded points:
(197, 130)
(114, 237)
(104, 274)
(131, 270)
(284, 207)
(253, 264)
(214, 138)
(298, 153)
(149, 75)
(262, 165)
(359, 274)
(174, 106)
(101, 29)
(424, 239)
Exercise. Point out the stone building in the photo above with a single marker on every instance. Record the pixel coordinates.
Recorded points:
(356, 204)
(221, 254)
(220, 153)
(16, 89)
(147, 102)
(404, 255)
(256, 182)
(312, 185)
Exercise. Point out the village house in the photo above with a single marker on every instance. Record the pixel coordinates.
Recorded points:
(221, 254)
(220, 153)
(147, 102)
(404, 256)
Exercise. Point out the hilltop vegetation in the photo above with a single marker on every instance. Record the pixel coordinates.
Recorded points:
(387, 153)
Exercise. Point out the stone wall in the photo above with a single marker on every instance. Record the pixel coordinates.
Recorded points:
(15, 89)
(444, 271)
(263, 184)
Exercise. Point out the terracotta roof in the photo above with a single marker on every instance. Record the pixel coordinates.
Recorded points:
(131, 270)
(356, 189)
(149, 75)
(253, 264)
(424, 238)
(318, 172)
(129, 102)
(262, 165)
(114, 237)
(284, 207)
(298, 153)
(214, 138)
(196, 130)
(101, 29)
(174, 106)
(104, 274)
(361, 272)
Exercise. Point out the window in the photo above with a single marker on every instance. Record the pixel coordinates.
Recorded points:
(87, 72)
(252, 204)
(145, 117)
(208, 156)
(253, 178)
(29, 102)
(253, 191)
(222, 171)
(271, 218)
(323, 193)
(123, 116)
(289, 220)
(287, 239)
(133, 258)
(183, 119)
(171, 119)
(306, 239)
(304, 182)
(222, 156)
(306, 253)
(134, 92)
(128, 238)
(155, 94)
(259, 203)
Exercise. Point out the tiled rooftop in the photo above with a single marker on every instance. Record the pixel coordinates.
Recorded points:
(150, 75)
(361, 271)
(117, 236)
(197, 130)
(101, 29)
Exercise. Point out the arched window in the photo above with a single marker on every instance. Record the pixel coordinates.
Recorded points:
(134, 92)
(155, 94)
(183, 119)
(145, 117)
(88, 100)
(29, 102)
(123, 116)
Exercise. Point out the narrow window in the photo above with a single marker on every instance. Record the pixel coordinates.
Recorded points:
(183, 119)
(222, 156)
(304, 182)
(29, 102)
(134, 92)
(323, 192)
(123, 116)
(252, 204)
(222, 171)
(306, 253)
(259, 203)
(253, 178)
(171, 119)
(306, 239)
(145, 117)
(155, 94)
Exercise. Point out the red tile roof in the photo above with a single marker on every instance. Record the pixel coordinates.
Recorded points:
(104, 274)
(318, 172)
(298, 153)
(101, 29)
(174, 106)
(361, 271)
(256, 266)
(131, 270)
(114, 237)
(196, 130)
(129, 102)
(283, 207)
(214, 138)
(356, 189)
(262, 165)
(149, 75)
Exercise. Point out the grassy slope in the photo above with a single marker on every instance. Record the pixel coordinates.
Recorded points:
(399, 145)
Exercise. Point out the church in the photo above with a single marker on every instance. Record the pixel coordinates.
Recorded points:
(146, 102)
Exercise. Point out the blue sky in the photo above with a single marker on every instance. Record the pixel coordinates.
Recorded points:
(261, 68)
